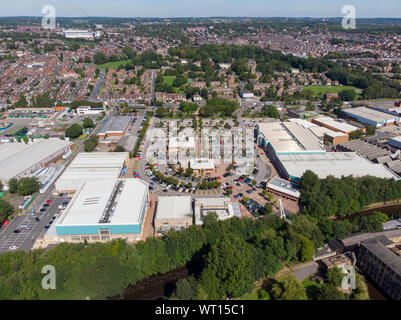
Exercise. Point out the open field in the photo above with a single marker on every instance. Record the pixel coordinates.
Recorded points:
(320, 90)
(169, 80)
(114, 65)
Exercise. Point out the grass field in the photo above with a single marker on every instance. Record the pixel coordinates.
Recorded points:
(114, 65)
(320, 90)
(169, 80)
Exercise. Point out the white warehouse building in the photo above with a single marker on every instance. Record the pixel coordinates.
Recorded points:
(19, 160)
(92, 167)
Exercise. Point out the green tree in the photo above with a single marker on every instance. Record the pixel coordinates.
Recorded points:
(119, 149)
(74, 131)
(91, 143)
(329, 292)
(268, 208)
(307, 249)
(186, 289)
(13, 185)
(6, 209)
(88, 123)
(335, 276)
(100, 58)
(230, 259)
(28, 186)
(288, 288)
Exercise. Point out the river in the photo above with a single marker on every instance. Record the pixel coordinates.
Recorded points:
(391, 210)
(158, 286)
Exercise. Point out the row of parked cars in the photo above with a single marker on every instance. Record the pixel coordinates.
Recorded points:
(164, 184)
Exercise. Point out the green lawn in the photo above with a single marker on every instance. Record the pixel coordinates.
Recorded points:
(114, 65)
(169, 80)
(320, 90)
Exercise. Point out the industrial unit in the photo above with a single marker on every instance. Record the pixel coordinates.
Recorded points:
(117, 126)
(80, 34)
(372, 117)
(173, 213)
(335, 125)
(395, 142)
(92, 167)
(223, 207)
(284, 188)
(337, 164)
(18, 160)
(288, 138)
(371, 151)
(101, 211)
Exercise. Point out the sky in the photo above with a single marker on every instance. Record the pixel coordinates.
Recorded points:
(203, 8)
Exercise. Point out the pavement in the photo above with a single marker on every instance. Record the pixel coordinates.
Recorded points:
(305, 270)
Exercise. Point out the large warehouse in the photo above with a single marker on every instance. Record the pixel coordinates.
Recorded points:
(336, 164)
(18, 160)
(115, 127)
(102, 211)
(288, 138)
(335, 125)
(91, 167)
(372, 117)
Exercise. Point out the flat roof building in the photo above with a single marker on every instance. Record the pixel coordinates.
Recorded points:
(284, 188)
(335, 125)
(336, 164)
(223, 207)
(18, 160)
(88, 167)
(371, 151)
(173, 213)
(115, 127)
(288, 138)
(372, 117)
(103, 210)
(395, 142)
(202, 164)
(80, 34)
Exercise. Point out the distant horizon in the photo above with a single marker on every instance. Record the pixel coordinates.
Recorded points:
(169, 9)
(204, 17)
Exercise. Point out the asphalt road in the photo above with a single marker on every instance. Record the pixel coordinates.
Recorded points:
(99, 85)
(153, 89)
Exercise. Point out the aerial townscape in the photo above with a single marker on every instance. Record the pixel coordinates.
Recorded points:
(213, 158)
